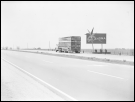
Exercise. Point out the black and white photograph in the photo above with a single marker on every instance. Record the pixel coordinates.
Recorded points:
(67, 50)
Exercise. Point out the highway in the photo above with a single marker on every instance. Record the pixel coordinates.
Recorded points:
(81, 79)
(103, 56)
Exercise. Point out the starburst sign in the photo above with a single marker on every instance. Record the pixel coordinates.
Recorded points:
(92, 36)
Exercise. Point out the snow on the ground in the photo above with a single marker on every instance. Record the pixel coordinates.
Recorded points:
(17, 86)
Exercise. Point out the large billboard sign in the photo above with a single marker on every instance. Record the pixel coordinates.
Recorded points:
(96, 38)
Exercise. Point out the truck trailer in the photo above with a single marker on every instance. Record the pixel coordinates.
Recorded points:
(69, 44)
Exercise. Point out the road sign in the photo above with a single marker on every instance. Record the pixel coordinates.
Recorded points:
(96, 38)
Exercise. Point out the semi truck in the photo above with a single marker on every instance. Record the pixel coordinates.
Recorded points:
(69, 44)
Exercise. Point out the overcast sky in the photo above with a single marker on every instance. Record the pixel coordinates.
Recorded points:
(37, 23)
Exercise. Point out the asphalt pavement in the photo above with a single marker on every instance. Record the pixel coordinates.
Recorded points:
(18, 86)
(80, 79)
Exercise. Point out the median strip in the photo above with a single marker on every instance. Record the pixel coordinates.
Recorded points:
(84, 58)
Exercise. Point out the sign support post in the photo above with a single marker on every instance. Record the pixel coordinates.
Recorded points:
(102, 46)
(96, 38)
(93, 47)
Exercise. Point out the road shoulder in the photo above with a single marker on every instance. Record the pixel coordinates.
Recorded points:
(17, 86)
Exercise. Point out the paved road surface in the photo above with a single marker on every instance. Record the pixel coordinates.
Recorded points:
(81, 79)
(18, 86)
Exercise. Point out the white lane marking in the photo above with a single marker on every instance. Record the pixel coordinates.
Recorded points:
(42, 81)
(96, 65)
(105, 74)
(47, 61)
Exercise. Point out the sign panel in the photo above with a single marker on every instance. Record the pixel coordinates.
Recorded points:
(96, 38)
